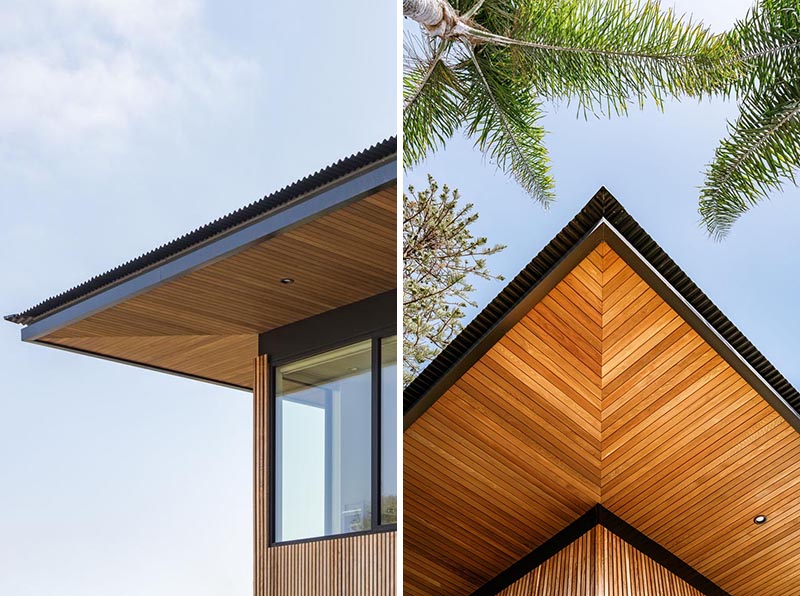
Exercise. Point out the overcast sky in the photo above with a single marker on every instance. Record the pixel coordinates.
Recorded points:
(124, 124)
(652, 162)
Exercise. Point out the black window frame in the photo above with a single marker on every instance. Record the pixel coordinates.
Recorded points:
(373, 319)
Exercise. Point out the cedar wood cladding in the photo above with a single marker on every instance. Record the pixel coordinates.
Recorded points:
(600, 563)
(603, 206)
(361, 565)
(601, 374)
(601, 393)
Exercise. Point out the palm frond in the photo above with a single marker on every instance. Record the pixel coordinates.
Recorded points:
(767, 42)
(432, 98)
(503, 118)
(762, 150)
(606, 55)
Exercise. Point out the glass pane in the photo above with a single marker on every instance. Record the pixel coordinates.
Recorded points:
(389, 430)
(323, 444)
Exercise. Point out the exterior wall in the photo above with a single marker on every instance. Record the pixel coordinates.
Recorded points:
(354, 566)
(361, 565)
(626, 571)
(570, 572)
(600, 563)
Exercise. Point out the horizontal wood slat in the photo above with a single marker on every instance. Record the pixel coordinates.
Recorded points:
(602, 393)
(206, 322)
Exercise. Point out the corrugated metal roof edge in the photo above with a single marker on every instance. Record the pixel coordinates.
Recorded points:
(602, 205)
(313, 182)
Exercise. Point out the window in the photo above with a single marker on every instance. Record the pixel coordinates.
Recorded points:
(389, 430)
(328, 477)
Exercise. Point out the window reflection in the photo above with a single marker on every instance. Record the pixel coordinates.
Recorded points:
(323, 444)
(389, 430)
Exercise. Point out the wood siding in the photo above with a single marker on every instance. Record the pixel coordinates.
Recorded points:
(206, 323)
(261, 447)
(354, 566)
(349, 566)
(600, 563)
(602, 393)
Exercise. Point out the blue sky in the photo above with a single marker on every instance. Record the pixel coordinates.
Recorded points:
(652, 162)
(124, 124)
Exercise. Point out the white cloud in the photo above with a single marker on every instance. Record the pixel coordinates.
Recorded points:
(80, 71)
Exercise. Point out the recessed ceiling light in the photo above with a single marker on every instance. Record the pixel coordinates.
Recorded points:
(287, 280)
(759, 519)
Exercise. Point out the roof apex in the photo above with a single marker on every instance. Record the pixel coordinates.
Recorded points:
(602, 217)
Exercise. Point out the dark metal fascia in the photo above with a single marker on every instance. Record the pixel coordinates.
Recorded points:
(277, 221)
(336, 173)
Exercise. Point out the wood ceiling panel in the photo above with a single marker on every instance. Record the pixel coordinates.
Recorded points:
(206, 323)
(340, 258)
(224, 358)
(510, 454)
(602, 393)
(691, 452)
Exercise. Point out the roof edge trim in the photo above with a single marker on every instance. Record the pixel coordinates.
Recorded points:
(689, 313)
(343, 170)
(294, 213)
(603, 218)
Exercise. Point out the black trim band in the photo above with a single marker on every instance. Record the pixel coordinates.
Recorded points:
(366, 318)
(540, 554)
(600, 516)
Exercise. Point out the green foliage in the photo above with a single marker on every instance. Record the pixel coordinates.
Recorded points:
(763, 147)
(440, 256)
(511, 55)
(609, 54)
(502, 116)
(432, 96)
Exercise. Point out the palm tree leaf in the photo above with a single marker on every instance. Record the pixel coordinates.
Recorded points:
(503, 117)
(762, 150)
(608, 54)
(432, 98)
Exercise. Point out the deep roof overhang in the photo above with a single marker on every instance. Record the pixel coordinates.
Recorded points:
(603, 219)
(601, 375)
(357, 186)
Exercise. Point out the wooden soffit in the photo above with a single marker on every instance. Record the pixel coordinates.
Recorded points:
(602, 387)
(205, 323)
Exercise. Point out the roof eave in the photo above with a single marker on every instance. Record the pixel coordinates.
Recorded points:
(356, 165)
(602, 220)
(294, 213)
